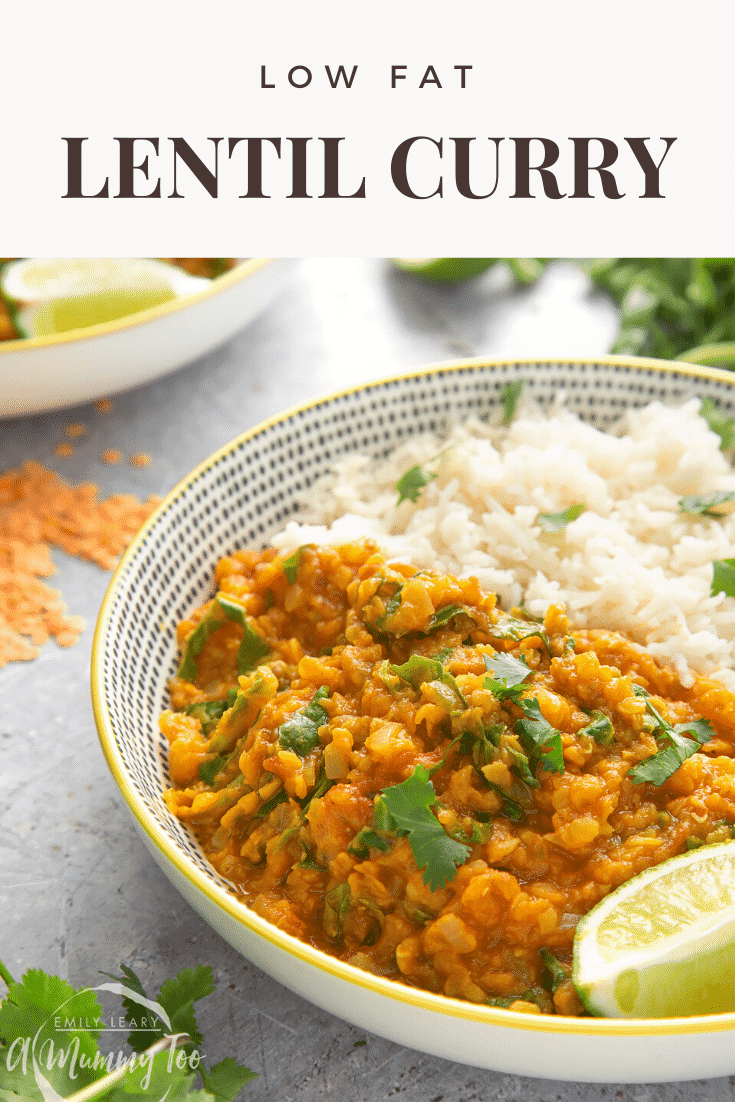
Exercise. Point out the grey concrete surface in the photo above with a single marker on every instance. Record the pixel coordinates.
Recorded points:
(78, 893)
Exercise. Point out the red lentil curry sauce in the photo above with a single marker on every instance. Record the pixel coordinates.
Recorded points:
(392, 770)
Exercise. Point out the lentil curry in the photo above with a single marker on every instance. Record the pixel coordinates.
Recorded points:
(386, 766)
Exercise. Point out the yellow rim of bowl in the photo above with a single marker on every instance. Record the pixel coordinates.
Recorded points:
(237, 274)
(227, 902)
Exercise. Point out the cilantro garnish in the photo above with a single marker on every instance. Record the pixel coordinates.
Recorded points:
(39, 1007)
(407, 806)
(557, 522)
(290, 565)
(392, 606)
(509, 675)
(558, 973)
(600, 729)
(252, 648)
(300, 733)
(410, 484)
(444, 615)
(510, 627)
(705, 505)
(336, 902)
(419, 670)
(509, 396)
(365, 840)
(509, 808)
(723, 577)
(659, 767)
(208, 770)
(539, 738)
(719, 422)
(208, 712)
(280, 797)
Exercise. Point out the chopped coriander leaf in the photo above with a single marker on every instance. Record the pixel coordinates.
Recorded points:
(208, 712)
(520, 767)
(443, 760)
(600, 729)
(662, 765)
(308, 861)
(723, 577)
(559, 974)
(252, 648)
(706, 505)
(363, 841)
(658, 768)
(557, 522)
(445, 615)
(509, 675)
(336, 902)
(509, 396)
(408, 804)
(482, 746)
(279, 798)
(481, 833)
(290, 565)
(420, 670)
(509, 808)
(539, 738)
(719, 422)
(701, 729)
(323, 784)
(409, 485)
(197, 641)
(226, 1079)
(300, 733)
(208, 770)
(392, 606)
(510, 627)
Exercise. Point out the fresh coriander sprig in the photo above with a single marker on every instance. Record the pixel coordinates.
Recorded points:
(557, 522)
(411, 483)
(707, 505)
(408, 808)
(723, 577)
(29, 1017)
(662, 765)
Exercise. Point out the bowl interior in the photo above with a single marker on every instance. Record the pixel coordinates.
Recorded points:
(247, 491)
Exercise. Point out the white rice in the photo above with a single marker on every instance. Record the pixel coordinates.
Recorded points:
(632, 561)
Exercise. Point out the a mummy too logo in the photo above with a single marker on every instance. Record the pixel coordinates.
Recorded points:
(57, 1044)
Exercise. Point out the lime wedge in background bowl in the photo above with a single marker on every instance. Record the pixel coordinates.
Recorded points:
(663, 944)
(49, 296)
(445, 269)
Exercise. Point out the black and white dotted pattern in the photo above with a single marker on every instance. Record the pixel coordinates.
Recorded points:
(248, 492)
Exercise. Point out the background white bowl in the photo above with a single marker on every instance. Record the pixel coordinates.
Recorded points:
(237, 498)
(45, 373)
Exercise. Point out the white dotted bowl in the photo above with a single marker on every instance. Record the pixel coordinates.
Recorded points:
(237, 498)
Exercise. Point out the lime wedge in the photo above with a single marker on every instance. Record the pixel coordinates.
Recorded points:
(47, 296)
(445, 269)
(663, 945)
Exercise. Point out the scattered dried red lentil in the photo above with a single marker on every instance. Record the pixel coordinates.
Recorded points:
(104, 405)
(37, 508)
(111, 456)
(76, 430)
(64, 450)
(140, 459)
